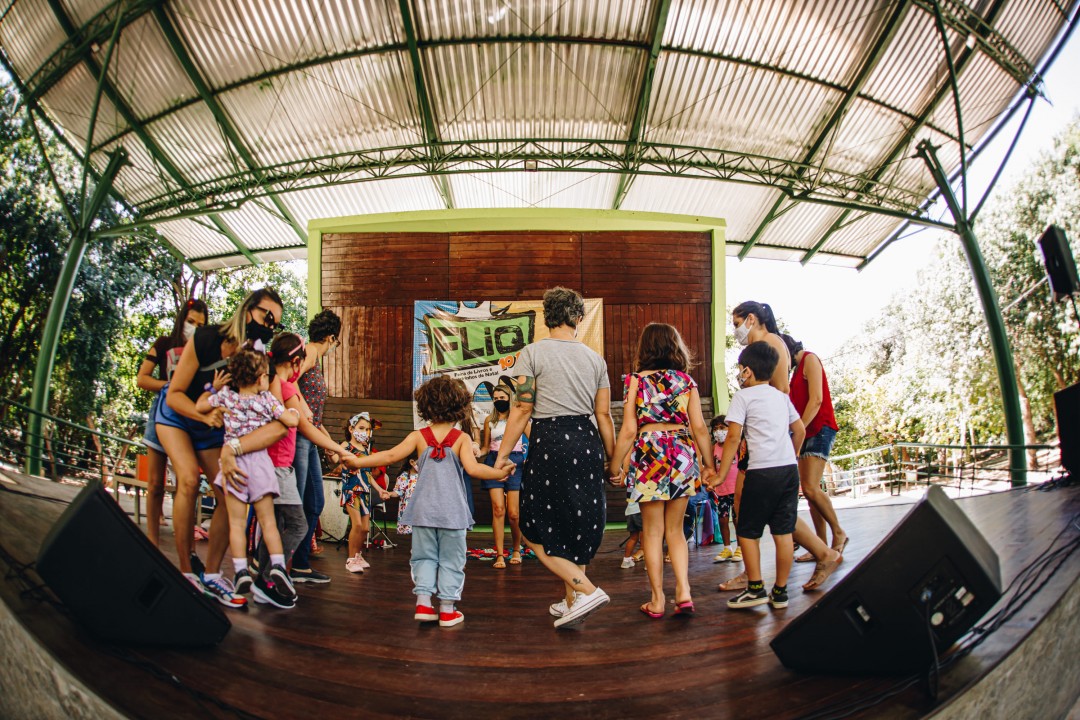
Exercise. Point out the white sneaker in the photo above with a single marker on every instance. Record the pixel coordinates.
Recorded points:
(561, 608)
(583, 607)
(353, 564)
(364, 564)
(627, 563)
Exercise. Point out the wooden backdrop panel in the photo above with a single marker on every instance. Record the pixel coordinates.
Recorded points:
(372, 280)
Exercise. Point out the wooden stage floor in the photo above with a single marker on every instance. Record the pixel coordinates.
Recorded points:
(352, 649)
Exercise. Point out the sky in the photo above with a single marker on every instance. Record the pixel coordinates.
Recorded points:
(825, 306)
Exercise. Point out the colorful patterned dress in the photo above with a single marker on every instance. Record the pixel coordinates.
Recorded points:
(664, 465)
(356, 484)
(403, 488)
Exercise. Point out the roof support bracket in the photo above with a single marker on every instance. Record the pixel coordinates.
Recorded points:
(995, 324)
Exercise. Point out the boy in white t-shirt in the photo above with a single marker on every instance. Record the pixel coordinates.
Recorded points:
(770, 496)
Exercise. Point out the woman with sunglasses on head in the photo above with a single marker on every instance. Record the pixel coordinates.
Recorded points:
(194, 440)
(162, 357)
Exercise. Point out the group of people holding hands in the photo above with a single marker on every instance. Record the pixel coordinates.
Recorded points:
(244, 404)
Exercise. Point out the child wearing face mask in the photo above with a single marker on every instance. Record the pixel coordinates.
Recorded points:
(403, 488)
(724, 493)
(248, 405)
(357, 486)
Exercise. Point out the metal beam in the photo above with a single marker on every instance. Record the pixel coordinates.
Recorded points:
(888, 31)
(54, 322)
(423, 101)
(995, 324)
(223, 121)
(641, 111)
(961, 61)
(514, 40)
(136, 126)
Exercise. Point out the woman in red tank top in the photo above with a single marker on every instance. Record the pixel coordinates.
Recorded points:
(812, 400)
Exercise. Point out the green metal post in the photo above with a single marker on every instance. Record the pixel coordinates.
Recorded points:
(999, 340)
(54, 323)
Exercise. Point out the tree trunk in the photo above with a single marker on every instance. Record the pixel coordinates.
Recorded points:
(1029, 422)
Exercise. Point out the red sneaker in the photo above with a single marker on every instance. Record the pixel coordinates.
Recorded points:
(425, 614)
(451, 619)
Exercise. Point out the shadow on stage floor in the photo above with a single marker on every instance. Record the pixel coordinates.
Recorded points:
(352, 649)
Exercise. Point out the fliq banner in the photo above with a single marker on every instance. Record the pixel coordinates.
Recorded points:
(479, 341)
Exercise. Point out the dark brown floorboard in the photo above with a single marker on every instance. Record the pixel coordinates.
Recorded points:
(351, 648)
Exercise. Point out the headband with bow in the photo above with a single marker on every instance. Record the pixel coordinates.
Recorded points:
(375, 424)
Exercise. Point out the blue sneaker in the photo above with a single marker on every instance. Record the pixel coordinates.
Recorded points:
(222, 590)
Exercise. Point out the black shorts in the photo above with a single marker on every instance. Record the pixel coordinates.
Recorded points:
(770, 497)
(633, 523)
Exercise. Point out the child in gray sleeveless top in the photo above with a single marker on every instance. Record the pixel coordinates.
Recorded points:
(439, 509)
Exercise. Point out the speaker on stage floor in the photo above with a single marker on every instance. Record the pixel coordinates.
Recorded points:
(117, 584)
(1059, 261)
(1067, 409)
(933, 574)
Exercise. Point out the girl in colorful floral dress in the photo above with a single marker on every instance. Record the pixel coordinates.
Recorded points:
(357, 487)
(403, 488)
(662, 420)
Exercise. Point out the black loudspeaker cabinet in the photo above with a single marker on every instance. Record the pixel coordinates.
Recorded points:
(117, 584)
(874, 621)
(1059, 261)
(1067, 409)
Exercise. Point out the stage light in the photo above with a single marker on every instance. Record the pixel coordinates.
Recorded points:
(531, 166)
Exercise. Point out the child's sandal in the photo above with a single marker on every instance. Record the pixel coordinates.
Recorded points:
(500, 563)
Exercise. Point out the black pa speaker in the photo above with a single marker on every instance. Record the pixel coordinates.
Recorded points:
(1059, 261)
(1067, 409)
(933, 574)
(116, 583)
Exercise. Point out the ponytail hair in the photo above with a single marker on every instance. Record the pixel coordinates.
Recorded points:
(794, 346)
(762, 311)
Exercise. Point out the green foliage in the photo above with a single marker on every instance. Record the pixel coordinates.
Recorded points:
(924, 370)
(226, 289)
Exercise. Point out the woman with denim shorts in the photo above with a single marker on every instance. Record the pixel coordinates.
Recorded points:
(812, 400)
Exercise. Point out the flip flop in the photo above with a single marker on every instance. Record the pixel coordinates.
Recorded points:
(500, 563)
(515, 558)
(843, 545)
(824, 569)
(806, 558)
(739, 582)
(684, 608)
(654, 615)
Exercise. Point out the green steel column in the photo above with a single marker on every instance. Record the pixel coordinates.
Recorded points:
(50, 338)
(999, 340)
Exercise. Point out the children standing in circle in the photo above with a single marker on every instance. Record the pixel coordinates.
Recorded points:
(438, 511)
(662, 421)
(357, 485)
(724, 492)
(505, 496)
(248, 405)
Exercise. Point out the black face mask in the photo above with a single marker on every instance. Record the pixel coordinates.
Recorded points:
(502, 405)
(256, 331)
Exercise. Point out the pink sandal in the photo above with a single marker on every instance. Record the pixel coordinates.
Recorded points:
(684, 608)
(654, 615)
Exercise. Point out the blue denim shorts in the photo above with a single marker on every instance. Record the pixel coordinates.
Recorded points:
(819, 445)
(150, 438)
(203, 437)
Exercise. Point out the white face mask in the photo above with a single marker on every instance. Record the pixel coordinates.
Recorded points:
(189, 330)
(744, 378)
(719, 436)
(742, 333)
(361, 436)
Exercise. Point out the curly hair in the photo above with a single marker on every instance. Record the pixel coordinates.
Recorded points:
(563, 306)
(661, 347)
(245, 367)
(286, 348)
(442, 399)
(324, 325)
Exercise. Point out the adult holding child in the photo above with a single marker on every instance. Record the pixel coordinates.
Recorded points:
(755, 322)
(194, 440)
(662, 421)
(563, 386)
(153, 376)
(812, 400)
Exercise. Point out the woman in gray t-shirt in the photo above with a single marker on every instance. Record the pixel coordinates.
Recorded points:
(563, 386)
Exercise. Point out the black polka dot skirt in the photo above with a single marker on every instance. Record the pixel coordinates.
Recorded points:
(563, 505)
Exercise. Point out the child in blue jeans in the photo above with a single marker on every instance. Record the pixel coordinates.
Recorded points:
(439, 509)
(770, 496)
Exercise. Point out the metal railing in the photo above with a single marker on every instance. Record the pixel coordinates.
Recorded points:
(898, 465)
(70, 451)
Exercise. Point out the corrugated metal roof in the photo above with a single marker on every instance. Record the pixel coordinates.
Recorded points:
(307, 96)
